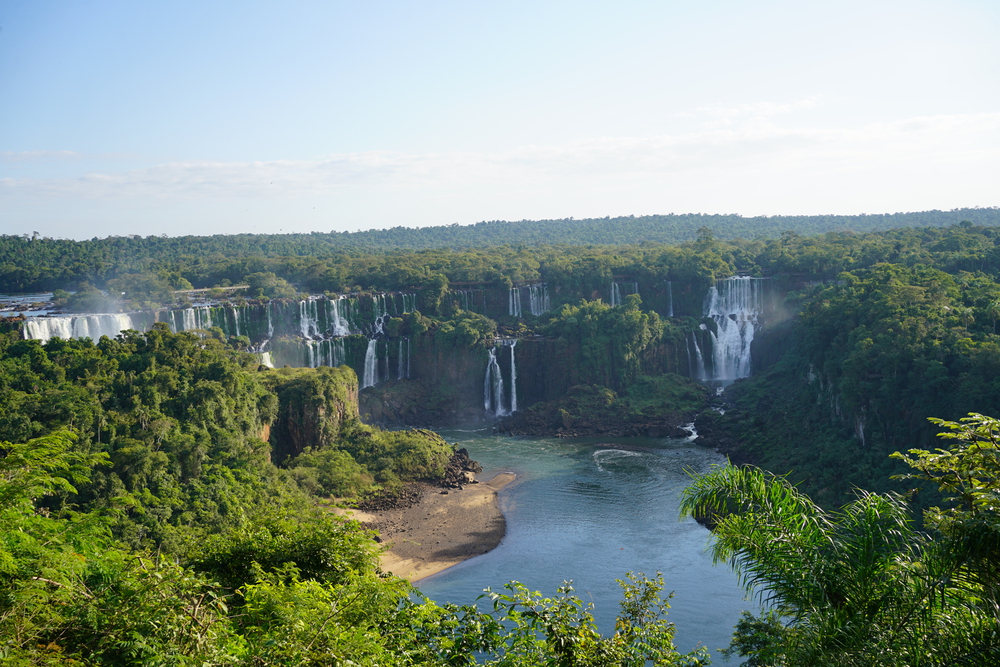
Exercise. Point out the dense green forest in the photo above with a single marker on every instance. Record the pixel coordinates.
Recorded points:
(146, 523)
(163, 495)
(337, 261)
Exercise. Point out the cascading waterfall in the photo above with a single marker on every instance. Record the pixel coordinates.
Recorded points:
(616, 295)
(309, 319)
(538, 299)
(697, 371)
(513, 378)
(340, 326)
(329, 352)
(79, 326)
(370, 377)
(496, 398)
(378, 306)
(493, 398)
(734, 304)
(318, 324)
(670, 299)
(514, 302)
(234, 314)
(265, 360)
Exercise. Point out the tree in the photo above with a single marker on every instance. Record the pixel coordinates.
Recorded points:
(857, 586)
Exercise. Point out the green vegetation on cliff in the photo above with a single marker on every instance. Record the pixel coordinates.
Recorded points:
(862, 362)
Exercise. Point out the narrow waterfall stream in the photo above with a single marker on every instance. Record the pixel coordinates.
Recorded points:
(513, 377)
(500, 394)
(493, 394)
(370, 378)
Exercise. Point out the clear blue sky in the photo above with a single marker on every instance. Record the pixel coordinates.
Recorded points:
(224, 117)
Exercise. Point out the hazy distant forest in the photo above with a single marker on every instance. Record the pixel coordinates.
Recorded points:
(53, 263)
(157, 507)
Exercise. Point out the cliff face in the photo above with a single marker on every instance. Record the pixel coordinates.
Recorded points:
(447, 383)
(313, 406)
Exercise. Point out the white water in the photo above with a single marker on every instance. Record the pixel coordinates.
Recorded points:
(670, 299)
(328, 352)
(514, 302)
(538, 299)
(616, 295)
(370, 378)
(493, 394)
(78, 326)
(340, 325)
(497, 401)
(735, 304)
(308, 319)
(698, 372)
(513, 378)
(265, 360)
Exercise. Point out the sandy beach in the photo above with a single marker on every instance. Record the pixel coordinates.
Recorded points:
(445, 528)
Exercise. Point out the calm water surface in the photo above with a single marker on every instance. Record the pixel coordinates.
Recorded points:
(591, 510)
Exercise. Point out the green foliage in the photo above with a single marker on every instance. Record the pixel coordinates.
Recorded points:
(650, 402)
(266, 284)
(142, 291)
(87, 299)
(394, 457)
(323, 548)
(330, 472)
(464, 330)
(561, 631)
(609, 341)
(860, 585)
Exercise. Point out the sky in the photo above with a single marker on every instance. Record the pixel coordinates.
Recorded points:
(215, 117)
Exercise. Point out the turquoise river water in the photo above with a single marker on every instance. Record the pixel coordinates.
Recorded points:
(590, 510)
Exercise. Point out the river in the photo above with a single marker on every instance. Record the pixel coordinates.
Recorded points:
(590, 510)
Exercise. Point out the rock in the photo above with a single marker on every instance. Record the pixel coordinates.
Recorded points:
(460, 470)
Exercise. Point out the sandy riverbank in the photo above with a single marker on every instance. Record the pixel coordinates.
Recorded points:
(441, 530)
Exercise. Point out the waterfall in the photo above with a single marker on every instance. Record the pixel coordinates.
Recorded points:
(409, 302)
(77, 326)
(378, 306)
(493, 386)
(734, 304)
(400, 367)
(538, 299)
(329, 352)
(236, 319)
(309, 319)
(265, 360)
(616, 295)
(408, 357)
(514, 302)
(370, 377)
(670, 299)
(340, 325)
(513, 378)
(495, 394)
(698, 372)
